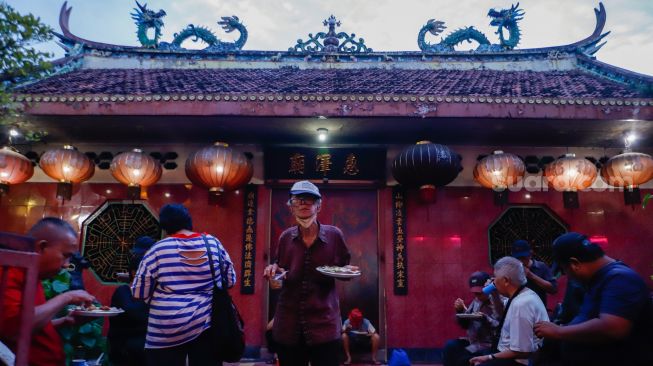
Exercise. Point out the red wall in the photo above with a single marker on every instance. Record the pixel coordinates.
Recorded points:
(447, 241)
(27, 203)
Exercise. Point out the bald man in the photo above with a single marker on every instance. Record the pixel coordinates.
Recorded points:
(56, 242)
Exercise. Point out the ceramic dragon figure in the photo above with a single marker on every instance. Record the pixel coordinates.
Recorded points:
(505, 19)
(229, 24)
(146, 19)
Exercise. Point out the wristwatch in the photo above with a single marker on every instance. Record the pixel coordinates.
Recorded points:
(492, 357)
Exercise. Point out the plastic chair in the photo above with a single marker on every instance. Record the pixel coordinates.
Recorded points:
(18, 252)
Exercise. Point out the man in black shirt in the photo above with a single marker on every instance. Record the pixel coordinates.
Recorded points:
(538, 274)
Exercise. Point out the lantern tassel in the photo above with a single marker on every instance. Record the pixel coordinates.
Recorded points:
(64, 191)
(632, 196)
(570, 199)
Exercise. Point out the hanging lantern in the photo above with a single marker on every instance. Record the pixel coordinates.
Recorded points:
(426, 166)
(570, 175)
(136, 170)
(67, 166)
(498, 172)
(219, 168)
(628, 170)
(14, 168)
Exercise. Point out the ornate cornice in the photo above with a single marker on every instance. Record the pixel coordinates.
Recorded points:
(370, 98)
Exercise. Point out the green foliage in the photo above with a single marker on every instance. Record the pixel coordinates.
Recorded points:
(20, 62)
(646, 200)
(86, 338)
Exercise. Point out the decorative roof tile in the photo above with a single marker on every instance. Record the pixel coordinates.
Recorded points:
(478, 83)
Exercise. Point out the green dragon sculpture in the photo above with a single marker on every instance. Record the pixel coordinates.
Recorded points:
(505, 19)
(229, 24)
(146, 19)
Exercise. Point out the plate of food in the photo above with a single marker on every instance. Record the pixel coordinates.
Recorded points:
(470, 316)
(338, 272)
(95, 311)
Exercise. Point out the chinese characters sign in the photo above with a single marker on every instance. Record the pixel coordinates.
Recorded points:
(320, 163)
(400, 265)
(249, 241)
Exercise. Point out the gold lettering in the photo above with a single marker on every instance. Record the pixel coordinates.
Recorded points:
(351, 165)
(296, 164)
(323, 163)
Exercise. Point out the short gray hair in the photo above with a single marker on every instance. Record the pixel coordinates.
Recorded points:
(512, 269)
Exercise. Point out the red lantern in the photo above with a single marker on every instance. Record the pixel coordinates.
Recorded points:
(498, 172)
(67, 166)
(136, 170)
(426, 166)
(14, 168)
(628, 170)
(570, 175)
(219, 168)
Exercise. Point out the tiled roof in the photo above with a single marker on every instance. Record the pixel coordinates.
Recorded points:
(551, 84)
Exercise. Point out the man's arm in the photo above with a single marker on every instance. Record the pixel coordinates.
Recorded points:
(549, 285)
(44, 313)
(605, 328)
(507, 354)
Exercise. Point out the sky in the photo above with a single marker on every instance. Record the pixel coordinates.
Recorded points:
(386, 25)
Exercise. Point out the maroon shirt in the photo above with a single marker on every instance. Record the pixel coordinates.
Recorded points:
(308, 303)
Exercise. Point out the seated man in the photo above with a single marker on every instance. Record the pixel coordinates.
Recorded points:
(517, 341)
(481, 331)
(613, 326)
(357, 330)
(56, 242)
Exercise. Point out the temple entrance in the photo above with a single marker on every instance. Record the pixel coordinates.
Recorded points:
(355, 213)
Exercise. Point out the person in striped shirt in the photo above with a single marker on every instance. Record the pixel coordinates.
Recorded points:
(175, 278)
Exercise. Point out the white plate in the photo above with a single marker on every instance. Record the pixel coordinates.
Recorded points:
(359, 332)
(97, 313)
(470, 316)
(338, 274)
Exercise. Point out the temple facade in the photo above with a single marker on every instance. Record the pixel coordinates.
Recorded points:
(416, 234)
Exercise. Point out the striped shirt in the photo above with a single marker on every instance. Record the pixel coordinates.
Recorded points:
(175, 278)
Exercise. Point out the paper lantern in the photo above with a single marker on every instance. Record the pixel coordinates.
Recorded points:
(136, 170)
(426, 166)
(67, 166)
(569, 175)
(628, 170)
(219, 168)
(14, 168)
(498, 172)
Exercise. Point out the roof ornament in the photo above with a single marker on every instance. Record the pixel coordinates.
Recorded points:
(146, 19)
(505, 19)
(331, 43)
(229, 24)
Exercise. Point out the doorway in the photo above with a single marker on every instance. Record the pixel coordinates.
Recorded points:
(355, 212)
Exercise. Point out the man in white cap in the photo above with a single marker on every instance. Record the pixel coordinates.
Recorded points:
(307, 321)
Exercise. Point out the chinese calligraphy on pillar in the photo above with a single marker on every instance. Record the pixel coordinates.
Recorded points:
(249, 241)
(400, 264)
(347, 164)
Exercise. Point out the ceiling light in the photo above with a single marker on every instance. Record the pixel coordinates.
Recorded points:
(322, 134)
(631, 137)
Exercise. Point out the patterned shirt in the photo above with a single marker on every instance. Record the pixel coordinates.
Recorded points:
(175, 278)
(308, 307)
(481, 333)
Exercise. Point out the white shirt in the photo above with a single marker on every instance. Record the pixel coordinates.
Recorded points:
(517, 333)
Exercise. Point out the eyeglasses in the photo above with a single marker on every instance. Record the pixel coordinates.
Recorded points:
(303, 200)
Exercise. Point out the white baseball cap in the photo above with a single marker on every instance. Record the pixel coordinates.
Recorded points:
(305, 187)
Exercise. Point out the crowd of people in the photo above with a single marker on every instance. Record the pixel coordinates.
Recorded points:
(606, 317)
